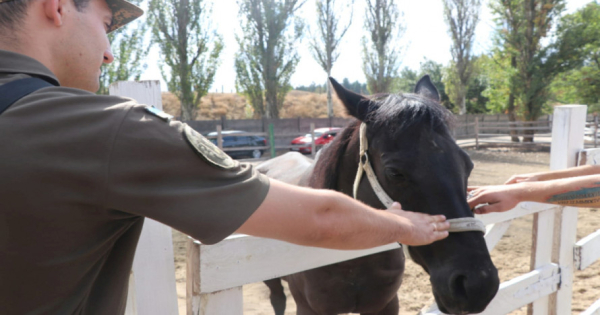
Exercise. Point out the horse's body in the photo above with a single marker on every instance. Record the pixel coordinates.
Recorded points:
(419, 164)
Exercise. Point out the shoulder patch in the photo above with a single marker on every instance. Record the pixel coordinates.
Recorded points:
(207, 150)
(158, 113)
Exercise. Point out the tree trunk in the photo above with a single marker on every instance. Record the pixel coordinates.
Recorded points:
(271, 100)
(528, 134)
(329, 99)
(463, 100)
(512, 117)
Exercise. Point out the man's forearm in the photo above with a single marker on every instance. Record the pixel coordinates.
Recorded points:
(324, 218)
(582, 191)
(361, 227)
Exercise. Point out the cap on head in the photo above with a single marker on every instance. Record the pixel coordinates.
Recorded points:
(123, 12)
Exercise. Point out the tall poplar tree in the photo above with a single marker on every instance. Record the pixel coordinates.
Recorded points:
(381, 48)
(267, 55)
(324, 45)
(521, 27)
(190, 48)
(462, 17)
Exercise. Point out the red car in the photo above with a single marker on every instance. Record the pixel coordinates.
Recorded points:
(323, 136)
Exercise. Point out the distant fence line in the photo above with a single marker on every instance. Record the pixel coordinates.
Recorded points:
(285, 130)
(464, 127)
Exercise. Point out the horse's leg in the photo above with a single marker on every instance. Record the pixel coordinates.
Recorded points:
(392, 308)
(277, 295)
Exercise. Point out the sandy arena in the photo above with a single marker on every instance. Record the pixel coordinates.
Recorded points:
(511, 256)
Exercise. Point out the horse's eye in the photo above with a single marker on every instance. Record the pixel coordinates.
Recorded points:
(395, 174)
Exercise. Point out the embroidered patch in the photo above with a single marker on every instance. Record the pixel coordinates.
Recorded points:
(158, 113)
(207, 150)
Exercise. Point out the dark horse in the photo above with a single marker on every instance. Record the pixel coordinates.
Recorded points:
(418, 163)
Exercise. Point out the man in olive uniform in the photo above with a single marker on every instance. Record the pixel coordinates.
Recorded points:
(79, 172)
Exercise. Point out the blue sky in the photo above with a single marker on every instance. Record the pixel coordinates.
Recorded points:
(425, 37)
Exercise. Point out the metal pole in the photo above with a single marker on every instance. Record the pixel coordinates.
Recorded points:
(313, 147)
(476, 133)
(272, 140)
(219, 137)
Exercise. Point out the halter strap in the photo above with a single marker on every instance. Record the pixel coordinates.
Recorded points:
(364, 166)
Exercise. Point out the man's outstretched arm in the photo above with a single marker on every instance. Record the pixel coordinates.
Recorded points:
(325, 218)
(581, 191)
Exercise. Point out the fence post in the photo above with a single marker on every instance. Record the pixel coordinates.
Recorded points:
(476, 133)
(272, 141)
(565, 226)
(560, 225)
(152, 283)
(220, 137)
(313, 147)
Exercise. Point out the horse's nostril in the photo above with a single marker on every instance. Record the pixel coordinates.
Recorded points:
(459, 286)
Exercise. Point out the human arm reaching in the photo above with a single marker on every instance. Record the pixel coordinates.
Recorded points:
(579, 191)
(551, 175)
(324, 218)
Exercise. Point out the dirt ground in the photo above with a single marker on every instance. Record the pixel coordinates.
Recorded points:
(511, 256)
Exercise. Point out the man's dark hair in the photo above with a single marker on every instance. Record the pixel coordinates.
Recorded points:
(13, 12)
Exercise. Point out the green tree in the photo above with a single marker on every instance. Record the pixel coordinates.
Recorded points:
(581, 85)
(521, 27)
(462, 17)
(129, 49)
(324, 45)
(476, 102)
(190, 48)
(406, 81)
(381, 49)
(267, 56)
(496, 71)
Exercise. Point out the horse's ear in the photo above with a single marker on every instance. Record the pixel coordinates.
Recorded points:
(426, 88)
(356, 104)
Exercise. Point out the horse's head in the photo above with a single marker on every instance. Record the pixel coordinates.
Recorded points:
(419, 164)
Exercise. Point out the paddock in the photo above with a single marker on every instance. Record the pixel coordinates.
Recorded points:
(216, 274)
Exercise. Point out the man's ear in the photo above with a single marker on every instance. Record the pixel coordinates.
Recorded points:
(54, 11)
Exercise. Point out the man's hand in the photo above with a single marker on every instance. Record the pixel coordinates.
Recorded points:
(498, 198)
(422, 229)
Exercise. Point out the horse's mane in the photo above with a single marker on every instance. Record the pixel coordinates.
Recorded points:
(394, 113)
(326, 167)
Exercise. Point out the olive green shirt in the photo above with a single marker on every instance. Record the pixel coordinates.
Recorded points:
(79, 172)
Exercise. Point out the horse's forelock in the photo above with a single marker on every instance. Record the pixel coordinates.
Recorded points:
(399, 112)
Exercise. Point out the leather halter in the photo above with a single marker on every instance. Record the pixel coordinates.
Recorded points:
(456, 225)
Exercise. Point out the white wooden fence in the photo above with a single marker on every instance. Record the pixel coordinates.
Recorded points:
(216, 273)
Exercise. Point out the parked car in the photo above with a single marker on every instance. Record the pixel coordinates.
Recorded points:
(238, 139)
(322, 137)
